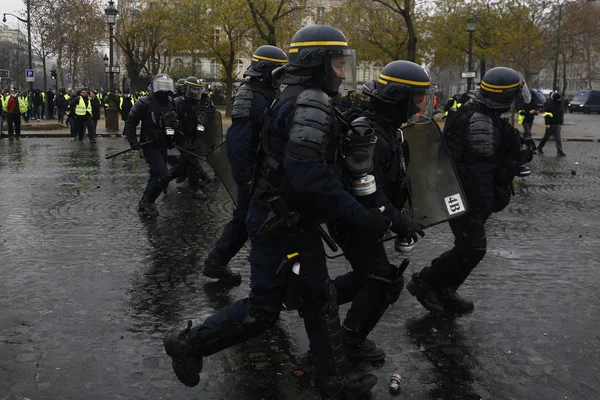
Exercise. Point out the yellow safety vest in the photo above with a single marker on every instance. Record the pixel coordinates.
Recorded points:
(548, 114)
(454, 107)
(121, 102)
(81, 109)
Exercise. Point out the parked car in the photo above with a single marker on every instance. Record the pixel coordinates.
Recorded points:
(586, 100)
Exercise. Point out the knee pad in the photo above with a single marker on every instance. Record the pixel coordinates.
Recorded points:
(472, 257)
(259, 319)
(164, 179)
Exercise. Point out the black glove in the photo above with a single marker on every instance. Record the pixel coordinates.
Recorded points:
(411, 230)
(135, 145)
(416, 231)
(376, 224)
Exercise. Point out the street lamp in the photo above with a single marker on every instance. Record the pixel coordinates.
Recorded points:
(105, 59)
(112, 120)
(471, 27)
(28, 22)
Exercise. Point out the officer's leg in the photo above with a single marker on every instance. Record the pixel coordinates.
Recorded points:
(193, 163)
(376, 284)
(556, 132)
(242, 320)
(435, 286)
(159, 179)
(229, 243)
(321, 320)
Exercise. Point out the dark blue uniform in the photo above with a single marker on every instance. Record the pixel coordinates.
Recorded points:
(151, 111)
(475, 140)
(319, 195)
(374, 284)
(249, 108)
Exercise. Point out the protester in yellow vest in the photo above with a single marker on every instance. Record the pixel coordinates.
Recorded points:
(81, 108)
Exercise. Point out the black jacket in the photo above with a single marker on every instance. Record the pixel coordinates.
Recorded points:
(95, 108)
(553, 112)
(151, 111)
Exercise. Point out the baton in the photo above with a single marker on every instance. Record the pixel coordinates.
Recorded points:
(190, 153)
(332, 245)
(126, 151)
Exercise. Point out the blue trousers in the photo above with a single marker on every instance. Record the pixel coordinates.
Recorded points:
(267, 288)
(234, 234)
(371, 286)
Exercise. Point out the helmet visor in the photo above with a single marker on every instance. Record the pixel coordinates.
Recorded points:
(194, 91)
(340, 70)
(525, 92)
(420, 106)
(163, 85)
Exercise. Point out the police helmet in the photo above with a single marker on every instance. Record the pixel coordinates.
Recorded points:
(162, 83)
(323, 48)
(501, 86)
(193, 88)
(264, 60)
(405, 90)
(179, 86)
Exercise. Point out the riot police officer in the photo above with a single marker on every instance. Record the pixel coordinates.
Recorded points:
(296, 188)
(487, 152)
(374, 284)
(159, 122)
(250, 105)
(179, 88)
(192, 121)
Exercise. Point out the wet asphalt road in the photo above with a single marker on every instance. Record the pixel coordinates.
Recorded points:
(88, 290)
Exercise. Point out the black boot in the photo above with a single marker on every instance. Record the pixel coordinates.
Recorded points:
(360, 349)
(153, 190)
(187, 360)
(454, 302)
(214, 269)
(147, 207)
(198, 194)
(425, 294)
(335, 379)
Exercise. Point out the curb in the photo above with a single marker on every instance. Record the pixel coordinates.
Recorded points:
(57, 135)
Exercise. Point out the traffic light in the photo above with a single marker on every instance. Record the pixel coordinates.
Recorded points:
(53, 74)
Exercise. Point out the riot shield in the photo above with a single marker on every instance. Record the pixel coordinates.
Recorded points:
(219, 162)
(437, 195)
(212, 135)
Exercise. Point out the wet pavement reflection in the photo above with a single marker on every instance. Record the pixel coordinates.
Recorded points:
(89, 288)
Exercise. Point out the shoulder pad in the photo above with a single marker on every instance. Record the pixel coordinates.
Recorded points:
(312, 123)
(481, 141)
(314, 98)
(242, 103)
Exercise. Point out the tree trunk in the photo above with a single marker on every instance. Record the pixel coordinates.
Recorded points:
(60, 77)
(45, 73)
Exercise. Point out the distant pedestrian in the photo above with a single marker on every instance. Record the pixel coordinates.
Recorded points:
(14, 107)
(554, 118)
(38, 104)
(95, 113)
(81, 108)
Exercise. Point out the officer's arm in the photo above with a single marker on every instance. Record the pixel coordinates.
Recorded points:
(305, 163)
(239, 136)
(481, 143)
(133, 119)
(402, 224)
